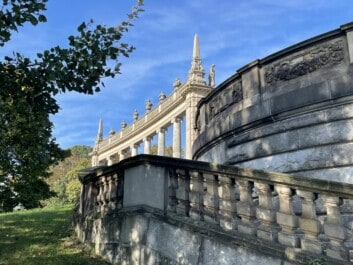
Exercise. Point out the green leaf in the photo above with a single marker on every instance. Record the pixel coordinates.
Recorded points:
(42, 18)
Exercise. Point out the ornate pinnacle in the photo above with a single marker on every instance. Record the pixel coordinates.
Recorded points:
(135, 115)
(196, 72)
(100, 131)
(99, 135)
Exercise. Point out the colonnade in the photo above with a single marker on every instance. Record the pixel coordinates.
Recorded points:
(171, 111)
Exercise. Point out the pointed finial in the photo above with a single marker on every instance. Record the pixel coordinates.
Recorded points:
(162, 96)
(176, 83)
(100, 133)
(135, 115)
(196, 48)
(196, 72)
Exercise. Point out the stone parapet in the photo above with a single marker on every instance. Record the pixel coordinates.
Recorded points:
(304, 217)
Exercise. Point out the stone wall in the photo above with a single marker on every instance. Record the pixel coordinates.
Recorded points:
(289, 112)
(145, 236)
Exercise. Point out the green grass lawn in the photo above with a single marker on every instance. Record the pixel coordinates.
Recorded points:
(42, 237)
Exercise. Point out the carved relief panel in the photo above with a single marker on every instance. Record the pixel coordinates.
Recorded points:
(310, 60)
(223, 100)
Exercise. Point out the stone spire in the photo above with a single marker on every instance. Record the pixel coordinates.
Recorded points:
(196, 72)
(100, 131)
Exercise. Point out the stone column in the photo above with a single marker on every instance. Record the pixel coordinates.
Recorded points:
(121, 155)
(110, 160)
(134, 149)
(350, 45)
(161, 141)
(189, 119)
(147, 145)
(176, 137)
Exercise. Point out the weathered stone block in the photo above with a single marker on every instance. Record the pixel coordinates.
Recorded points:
(176, 243)
(313, 246)
(247, 228)
(291, 240)
(335, 231)
(266, 215)
(267, 233)
(226, 205)
(133, 230)
(244, 208)
(287, 221)
(216, 253)
(146, 185)
(310, 225)
(228, 223)
(300, 97)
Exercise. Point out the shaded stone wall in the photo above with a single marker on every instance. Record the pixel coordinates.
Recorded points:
(144, 236)
(289, 112)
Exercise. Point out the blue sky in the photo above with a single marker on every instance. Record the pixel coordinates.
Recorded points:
(232, 33)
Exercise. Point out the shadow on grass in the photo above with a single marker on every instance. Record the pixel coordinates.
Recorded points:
(41, 237)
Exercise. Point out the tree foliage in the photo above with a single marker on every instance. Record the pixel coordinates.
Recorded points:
(64, 178)
(28, 89)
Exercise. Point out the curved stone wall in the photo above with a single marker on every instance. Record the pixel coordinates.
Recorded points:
(289, 112)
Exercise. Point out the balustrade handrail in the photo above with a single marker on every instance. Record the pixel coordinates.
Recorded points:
(297, 182)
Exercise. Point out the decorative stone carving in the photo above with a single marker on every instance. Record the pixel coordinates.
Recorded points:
(148, 105)
(196, 72)
(324, 55)
(212, 76)
(111, 132)
(162, 96)
(135, 115)
(231, 95)
(176, 83)
(123, 125)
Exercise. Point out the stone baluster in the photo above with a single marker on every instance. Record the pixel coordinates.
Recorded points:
(110, 160)
(309, 223)
(196, 195)
(227, 205)
(106, 194)
(113, 182)
(121, 155)
(120, 190)
(266, 213)
(334, 229)
(100, 196)
(246, 208)
(172, 188)
(286, 217)
(182, 193)
(211, 199)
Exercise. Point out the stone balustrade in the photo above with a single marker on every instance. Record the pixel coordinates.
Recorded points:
(301, 214)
